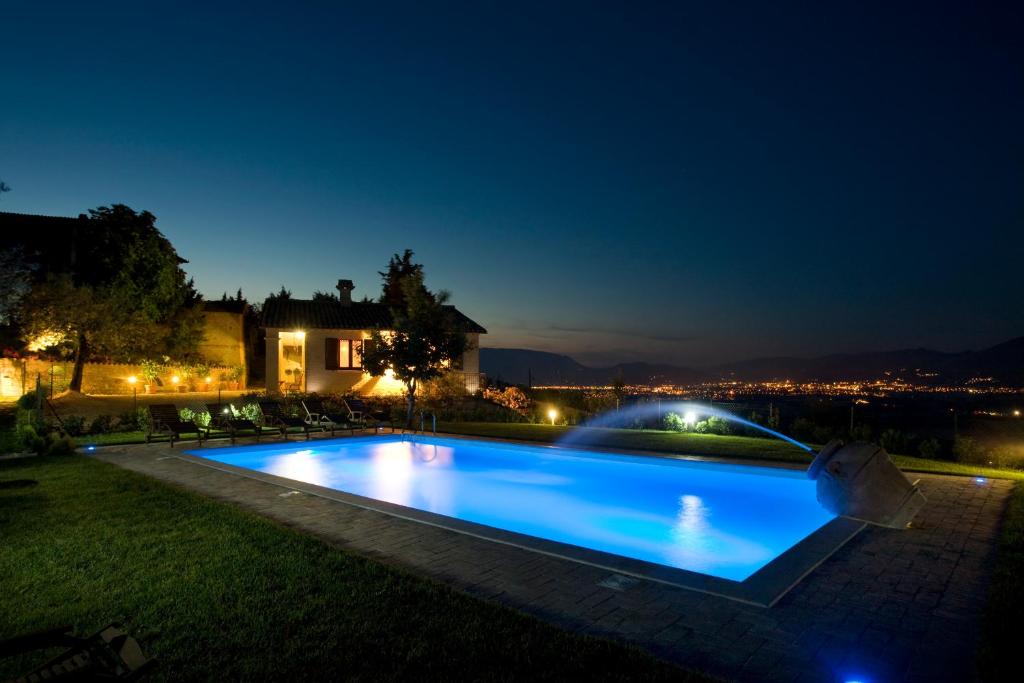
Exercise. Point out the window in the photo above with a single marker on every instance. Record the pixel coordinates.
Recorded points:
(343, 354)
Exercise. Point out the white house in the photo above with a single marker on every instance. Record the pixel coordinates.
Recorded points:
(316, 345)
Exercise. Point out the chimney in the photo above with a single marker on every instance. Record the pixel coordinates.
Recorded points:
(345, 288)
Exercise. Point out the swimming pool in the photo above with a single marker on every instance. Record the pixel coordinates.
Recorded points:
(719, 520)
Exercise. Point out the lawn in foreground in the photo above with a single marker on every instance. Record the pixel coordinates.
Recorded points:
(229, 595)
(711, 445)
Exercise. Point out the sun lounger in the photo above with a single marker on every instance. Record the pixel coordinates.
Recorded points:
(223, 418)
(360, 413)
(275, 417)
(318, 415)
(164, 420)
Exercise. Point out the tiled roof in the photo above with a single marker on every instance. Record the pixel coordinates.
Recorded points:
(333, 315)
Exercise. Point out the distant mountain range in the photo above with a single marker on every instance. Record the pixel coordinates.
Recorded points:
(1004, 363)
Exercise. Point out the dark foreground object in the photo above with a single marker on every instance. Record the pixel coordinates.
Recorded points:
(107, 655)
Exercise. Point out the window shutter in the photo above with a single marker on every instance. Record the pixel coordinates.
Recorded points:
(331, 353)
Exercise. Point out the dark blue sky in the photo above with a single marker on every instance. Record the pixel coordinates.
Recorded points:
(685, 182)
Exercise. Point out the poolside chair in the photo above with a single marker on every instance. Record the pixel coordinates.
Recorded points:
(275, 417)
(165, 420)
(223, 418)
(318, 415)
(360, 413)
(212, 429)
(108, 655)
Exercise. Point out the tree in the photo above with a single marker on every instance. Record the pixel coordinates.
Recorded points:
(125, 294)
(79, 321)
(401, 270)
(424, 340)
(282, 295)
(4, 187)
(15, 282)
(324, 296)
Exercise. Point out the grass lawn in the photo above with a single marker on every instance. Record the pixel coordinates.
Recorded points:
(228, 595)
(700, 444)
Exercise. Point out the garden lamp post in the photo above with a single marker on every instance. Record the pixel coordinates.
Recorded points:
(552, 414)
(133, 380)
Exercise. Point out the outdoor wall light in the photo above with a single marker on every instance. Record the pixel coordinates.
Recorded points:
(209, 379)
(175, 379)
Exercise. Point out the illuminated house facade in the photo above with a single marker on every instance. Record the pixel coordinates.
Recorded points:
(316, 345)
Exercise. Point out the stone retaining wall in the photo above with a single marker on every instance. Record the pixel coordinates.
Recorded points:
(19, 376)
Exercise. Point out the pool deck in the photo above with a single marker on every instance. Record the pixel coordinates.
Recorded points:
(888, 606)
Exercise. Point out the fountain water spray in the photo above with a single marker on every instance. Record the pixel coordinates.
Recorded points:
(689, 411)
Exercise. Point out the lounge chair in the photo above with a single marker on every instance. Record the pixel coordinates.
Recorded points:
(224, 419)
(360, 413)
(108, 655)
(275, 417)
(165, 420)
(318, 415)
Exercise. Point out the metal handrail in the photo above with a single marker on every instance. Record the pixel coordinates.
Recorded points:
(433, 422)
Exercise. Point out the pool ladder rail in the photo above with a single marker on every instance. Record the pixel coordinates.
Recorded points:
(423, 422)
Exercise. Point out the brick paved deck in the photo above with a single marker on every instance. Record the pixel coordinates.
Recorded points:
(888, 606)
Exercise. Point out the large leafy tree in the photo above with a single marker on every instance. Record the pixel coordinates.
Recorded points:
(125, 295)
(425, 338)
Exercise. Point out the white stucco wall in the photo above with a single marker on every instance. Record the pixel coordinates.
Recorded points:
(321, 380)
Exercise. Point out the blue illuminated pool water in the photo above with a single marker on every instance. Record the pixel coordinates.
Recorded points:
(724, 520)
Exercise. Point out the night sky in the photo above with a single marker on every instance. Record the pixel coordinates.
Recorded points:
(691, 183)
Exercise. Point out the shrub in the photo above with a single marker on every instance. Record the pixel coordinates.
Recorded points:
(44, 442)
(28, 401)
(74, 425)
(103, 424)
(929, 448)
(132, 421)
(201, 418)
(673, 423)
(444, 390)
(150, 370)
(718, 425)
(251, 411)
(966, 449)
(512, 398)
(893, 440)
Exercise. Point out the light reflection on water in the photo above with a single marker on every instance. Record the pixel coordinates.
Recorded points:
(722, 520)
